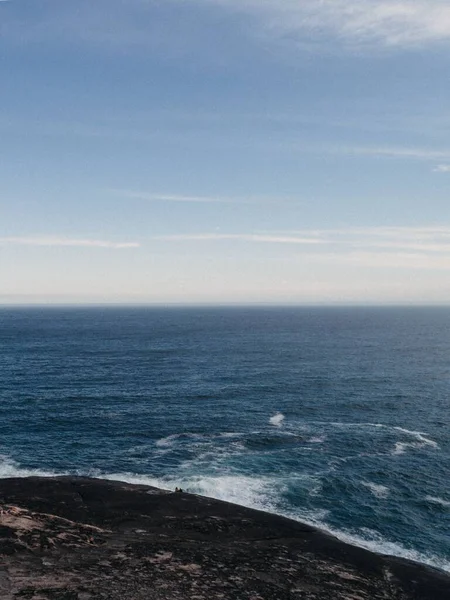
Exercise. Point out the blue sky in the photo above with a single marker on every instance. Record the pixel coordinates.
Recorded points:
(225, 151)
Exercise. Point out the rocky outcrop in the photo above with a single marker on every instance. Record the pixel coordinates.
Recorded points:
(72, 538)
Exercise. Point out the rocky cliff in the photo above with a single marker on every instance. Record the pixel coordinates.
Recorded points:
(71, 538)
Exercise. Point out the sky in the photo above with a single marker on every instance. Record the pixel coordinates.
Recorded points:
(225, 151)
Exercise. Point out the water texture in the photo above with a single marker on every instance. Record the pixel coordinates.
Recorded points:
(334, 416)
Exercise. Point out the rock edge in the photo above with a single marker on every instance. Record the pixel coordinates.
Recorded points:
(76, 538)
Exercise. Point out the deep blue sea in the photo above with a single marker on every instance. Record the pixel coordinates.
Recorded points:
(334, 416)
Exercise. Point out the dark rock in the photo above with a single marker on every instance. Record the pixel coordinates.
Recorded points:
(73, 538)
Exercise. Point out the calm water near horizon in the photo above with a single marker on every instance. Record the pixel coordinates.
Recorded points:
(334, 416)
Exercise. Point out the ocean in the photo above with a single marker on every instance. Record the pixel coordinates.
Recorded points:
(337, 417)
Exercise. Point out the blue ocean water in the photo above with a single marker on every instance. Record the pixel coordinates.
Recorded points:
(334, 416)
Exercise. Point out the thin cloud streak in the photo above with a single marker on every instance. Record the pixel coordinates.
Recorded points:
(187, 198)
(393, 152)
(397, 234)
(395, 231)
(168, 197)
(143, 131)
(409, 247)
(245, 237)
(66, 242)
(386, 260)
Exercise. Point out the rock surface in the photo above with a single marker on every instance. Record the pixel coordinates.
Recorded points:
(73, 538)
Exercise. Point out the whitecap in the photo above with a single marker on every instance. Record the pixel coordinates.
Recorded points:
(277, 419)
(243, 490)
(319, 439)
(437, 500)
(420, 437)
(167, 441)
(11, 468)
(400, 448)
(375, 542)
(379, 491)
(344, 424)
(170, 440)
(421, 441)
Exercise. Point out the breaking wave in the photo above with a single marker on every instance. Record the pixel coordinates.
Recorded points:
(259, 493)
(277, 419)
(379, 491)
(439, 501)
(420, 441)
(10, 468)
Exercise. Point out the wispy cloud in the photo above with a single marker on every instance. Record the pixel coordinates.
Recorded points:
(245, 237)
(442, 169)
(153, 197)
(403, 23)
(386, 260)
(352, 23)
(51, 241)
(188, 198)
(406, 247)
(412, 152)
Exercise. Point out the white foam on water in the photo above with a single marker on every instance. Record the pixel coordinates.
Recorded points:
(135, 479)
(420, 437)
(315, 487)
(420, 441)
(379, 491)
(437, 500)
(10, 468)
(315, 518)
(230, 434)
(259, 494)
(318, 439)
(277, 419)
(374, 541)
(342, 424)
(168, 441)
(212, 459)
(245, 491)
(400, 448)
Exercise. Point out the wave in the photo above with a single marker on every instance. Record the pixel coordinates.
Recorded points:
(437, 500)
(344, 424)
(10, 468)
(379, 491)
(259, 493)
(420, 436)
(167, 441)
(277, 419)
(259, 440)
(170, 440)
(317, 439)
(373, 541)
(246, 491)
(421, 441)
(252, 492)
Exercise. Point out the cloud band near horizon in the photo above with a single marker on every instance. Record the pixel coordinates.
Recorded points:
(50, 241)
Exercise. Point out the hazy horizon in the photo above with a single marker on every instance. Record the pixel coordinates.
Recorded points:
(224, 152)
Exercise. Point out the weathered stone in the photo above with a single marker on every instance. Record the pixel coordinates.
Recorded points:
(73, 538)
